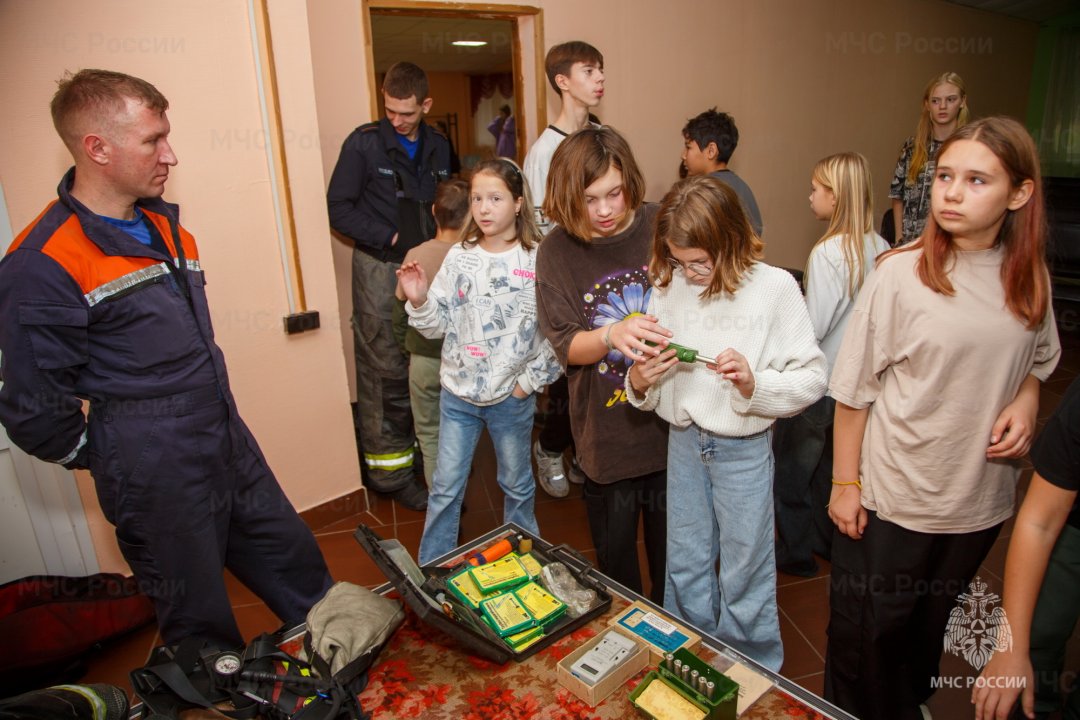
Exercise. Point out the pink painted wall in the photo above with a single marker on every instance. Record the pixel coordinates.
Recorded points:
(802, 79)
(292, 390)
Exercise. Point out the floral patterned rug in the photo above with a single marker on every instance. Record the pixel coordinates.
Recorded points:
(422, 674)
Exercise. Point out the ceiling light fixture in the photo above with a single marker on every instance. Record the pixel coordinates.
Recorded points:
(469, 43)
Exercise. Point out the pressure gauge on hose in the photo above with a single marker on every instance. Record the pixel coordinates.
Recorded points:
(227, 665)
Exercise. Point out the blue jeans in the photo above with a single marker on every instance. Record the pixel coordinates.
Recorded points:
(720, 507)
(510, 425)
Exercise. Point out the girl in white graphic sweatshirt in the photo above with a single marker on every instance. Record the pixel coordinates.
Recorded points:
(494, 359)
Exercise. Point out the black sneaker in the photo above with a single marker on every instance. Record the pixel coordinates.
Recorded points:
(413, 496)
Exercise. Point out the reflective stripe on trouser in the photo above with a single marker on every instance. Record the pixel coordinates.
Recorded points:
(390, 462)
(382, 377)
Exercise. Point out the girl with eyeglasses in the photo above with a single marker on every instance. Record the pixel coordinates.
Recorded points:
(749, 320)
(944, 111)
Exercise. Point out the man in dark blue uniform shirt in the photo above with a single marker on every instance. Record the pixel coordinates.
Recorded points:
(102, 298)
(380, 197)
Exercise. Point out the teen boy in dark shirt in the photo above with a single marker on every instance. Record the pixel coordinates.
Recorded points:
(710, 140)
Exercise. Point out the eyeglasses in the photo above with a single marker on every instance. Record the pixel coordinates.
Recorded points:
(700, 269)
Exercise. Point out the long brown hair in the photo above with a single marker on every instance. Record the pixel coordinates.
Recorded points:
(1022, 236)
(924, 133)
(578, 162)
(704, 213)
(528, 234)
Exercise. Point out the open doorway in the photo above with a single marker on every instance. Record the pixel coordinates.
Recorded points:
(475, 65)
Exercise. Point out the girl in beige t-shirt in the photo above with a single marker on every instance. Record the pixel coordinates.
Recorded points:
(936, 386)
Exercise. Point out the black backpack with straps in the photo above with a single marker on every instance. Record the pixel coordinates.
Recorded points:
(260, 681)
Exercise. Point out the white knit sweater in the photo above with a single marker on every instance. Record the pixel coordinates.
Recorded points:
(765, 320)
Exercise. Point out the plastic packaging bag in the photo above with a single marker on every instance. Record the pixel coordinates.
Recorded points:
(561, 583)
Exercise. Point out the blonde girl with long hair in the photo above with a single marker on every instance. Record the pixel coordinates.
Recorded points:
(841, 194)
(944, 111)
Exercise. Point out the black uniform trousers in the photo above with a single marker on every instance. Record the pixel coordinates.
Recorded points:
(190, 493)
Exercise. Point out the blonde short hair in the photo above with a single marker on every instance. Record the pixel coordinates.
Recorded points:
(98, 97)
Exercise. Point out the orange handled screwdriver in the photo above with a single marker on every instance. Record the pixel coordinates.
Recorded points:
(496, 551)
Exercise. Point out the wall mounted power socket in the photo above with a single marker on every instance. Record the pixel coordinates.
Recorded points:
(301, 322)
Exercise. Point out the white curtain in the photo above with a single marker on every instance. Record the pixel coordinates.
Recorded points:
(487, 111)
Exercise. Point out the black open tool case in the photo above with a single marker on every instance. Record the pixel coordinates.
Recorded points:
(419, 588)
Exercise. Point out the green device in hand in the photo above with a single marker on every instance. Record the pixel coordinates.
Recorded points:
(683, 353)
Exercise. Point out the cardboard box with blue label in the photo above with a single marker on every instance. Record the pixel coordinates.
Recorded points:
(658, 631)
